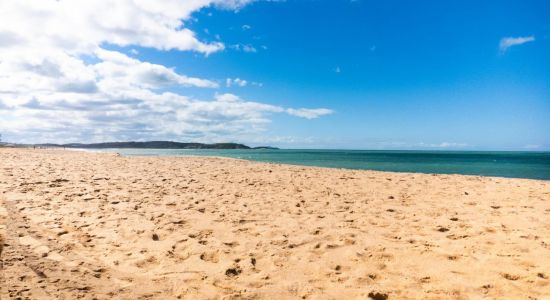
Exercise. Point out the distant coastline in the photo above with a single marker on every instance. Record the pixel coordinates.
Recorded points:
(153, 145)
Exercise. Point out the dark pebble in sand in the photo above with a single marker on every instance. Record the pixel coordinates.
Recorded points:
(378, 296)
(391, 197)
(155, 237)
(442, 229)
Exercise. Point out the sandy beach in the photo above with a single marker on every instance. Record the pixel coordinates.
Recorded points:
(101, 226)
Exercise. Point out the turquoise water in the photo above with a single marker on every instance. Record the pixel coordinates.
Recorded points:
(534, 165)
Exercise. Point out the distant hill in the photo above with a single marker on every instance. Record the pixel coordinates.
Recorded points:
(154, 145)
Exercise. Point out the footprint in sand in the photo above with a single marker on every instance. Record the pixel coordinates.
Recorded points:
(510, 276)
(232, 272)
(39, 248)
(148, 262)
(378, 296)
(36, 246)
(442, 229)
(211, 256)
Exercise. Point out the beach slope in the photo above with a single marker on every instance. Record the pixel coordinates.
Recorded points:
(89, 225)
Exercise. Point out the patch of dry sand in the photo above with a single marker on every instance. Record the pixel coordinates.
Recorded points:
(84, 225)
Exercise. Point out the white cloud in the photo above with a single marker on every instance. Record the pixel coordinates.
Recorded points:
(450, 145)
(79, 25)
(139, 114)
(229, 82)
(508, 42)
(246, 27)
(58, 83)
(441, 145)
(249, 48)
(236, 81)
(309, 113)
(244, 48)
(119, 68)
(227, 97)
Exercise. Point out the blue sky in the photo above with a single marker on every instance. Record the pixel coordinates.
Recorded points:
(461, 75)
(417, 72)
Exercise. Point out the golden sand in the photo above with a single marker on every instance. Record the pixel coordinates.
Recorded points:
(85, 225)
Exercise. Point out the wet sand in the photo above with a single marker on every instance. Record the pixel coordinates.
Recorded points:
(85, 225)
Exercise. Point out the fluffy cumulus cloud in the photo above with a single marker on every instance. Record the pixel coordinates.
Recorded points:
(58, 82)
(80, 25)
(508, 42)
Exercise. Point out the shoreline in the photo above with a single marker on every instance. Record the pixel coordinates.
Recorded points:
(307, 166)
(79, 224)
(99, 151)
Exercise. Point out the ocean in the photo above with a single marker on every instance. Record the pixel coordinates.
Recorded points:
(532, 165)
